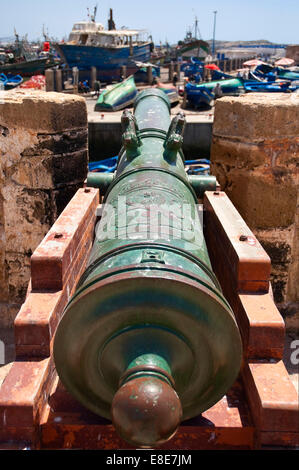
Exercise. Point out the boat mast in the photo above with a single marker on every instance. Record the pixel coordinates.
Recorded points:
(197, 31)
(45, 33)
(19, 47)
(214, 30)
(195, 27)
(92, 18)
(111, 24)
(16, 36)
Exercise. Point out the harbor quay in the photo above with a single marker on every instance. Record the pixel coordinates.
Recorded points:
(104, 132)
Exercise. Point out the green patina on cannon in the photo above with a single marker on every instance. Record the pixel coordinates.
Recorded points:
(148, 339)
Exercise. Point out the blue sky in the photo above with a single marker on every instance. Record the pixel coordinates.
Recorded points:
(275, 20)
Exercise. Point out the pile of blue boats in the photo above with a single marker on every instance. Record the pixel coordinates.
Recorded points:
(9, 81)
(109, 165)
(264, 78)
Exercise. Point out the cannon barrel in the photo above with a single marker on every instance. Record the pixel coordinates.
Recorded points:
(148, 339)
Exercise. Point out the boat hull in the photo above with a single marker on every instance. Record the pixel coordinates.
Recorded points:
(198, 97)
(202, 94)
(108, 61)
(288, 75)
(13, 83)
(229, 86)
(27, 69)
(118, 97)
(264, 87)
(170, 91)
(196, 48)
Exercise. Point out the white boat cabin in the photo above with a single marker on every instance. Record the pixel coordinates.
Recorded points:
(93, 34)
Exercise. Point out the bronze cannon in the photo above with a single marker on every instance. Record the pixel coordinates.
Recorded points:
(148, 339)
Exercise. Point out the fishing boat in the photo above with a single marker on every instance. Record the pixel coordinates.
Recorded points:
(229, 86)
(219, 75)
(29, 67)
(117, 96)
(3, 80)
(264, 70)
(13, 81)
(193, 68)
(252, 76)
(90, 45)
(198, 96)
(287, 74)
(274, 87)
(192, 46)
(203, 93)
(24, 62)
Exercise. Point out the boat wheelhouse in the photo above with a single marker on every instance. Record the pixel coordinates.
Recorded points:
(93, 34)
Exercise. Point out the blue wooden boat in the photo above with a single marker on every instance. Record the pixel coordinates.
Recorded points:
(90, 45)
(233, 86)
(196, 60)
(254, 77)
(219, 75)
(170, 91)
(267, 87)
(198, 95)
(10, 81)
(107, 165)
(262, 87)
(287, 74)
(13, 81)
(203, 93)
(117, 96)
(264, 70)
(3, 80)
(193, 69)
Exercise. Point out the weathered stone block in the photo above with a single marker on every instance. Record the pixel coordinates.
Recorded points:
(254, 156)
(43, 112)
(27, 213)
(59, 143)
(43, 162)
(262, 201)
(255, 117)
(17, 271)
(280, 244)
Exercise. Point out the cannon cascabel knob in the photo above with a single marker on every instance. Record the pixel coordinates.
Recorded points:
(146, 411)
